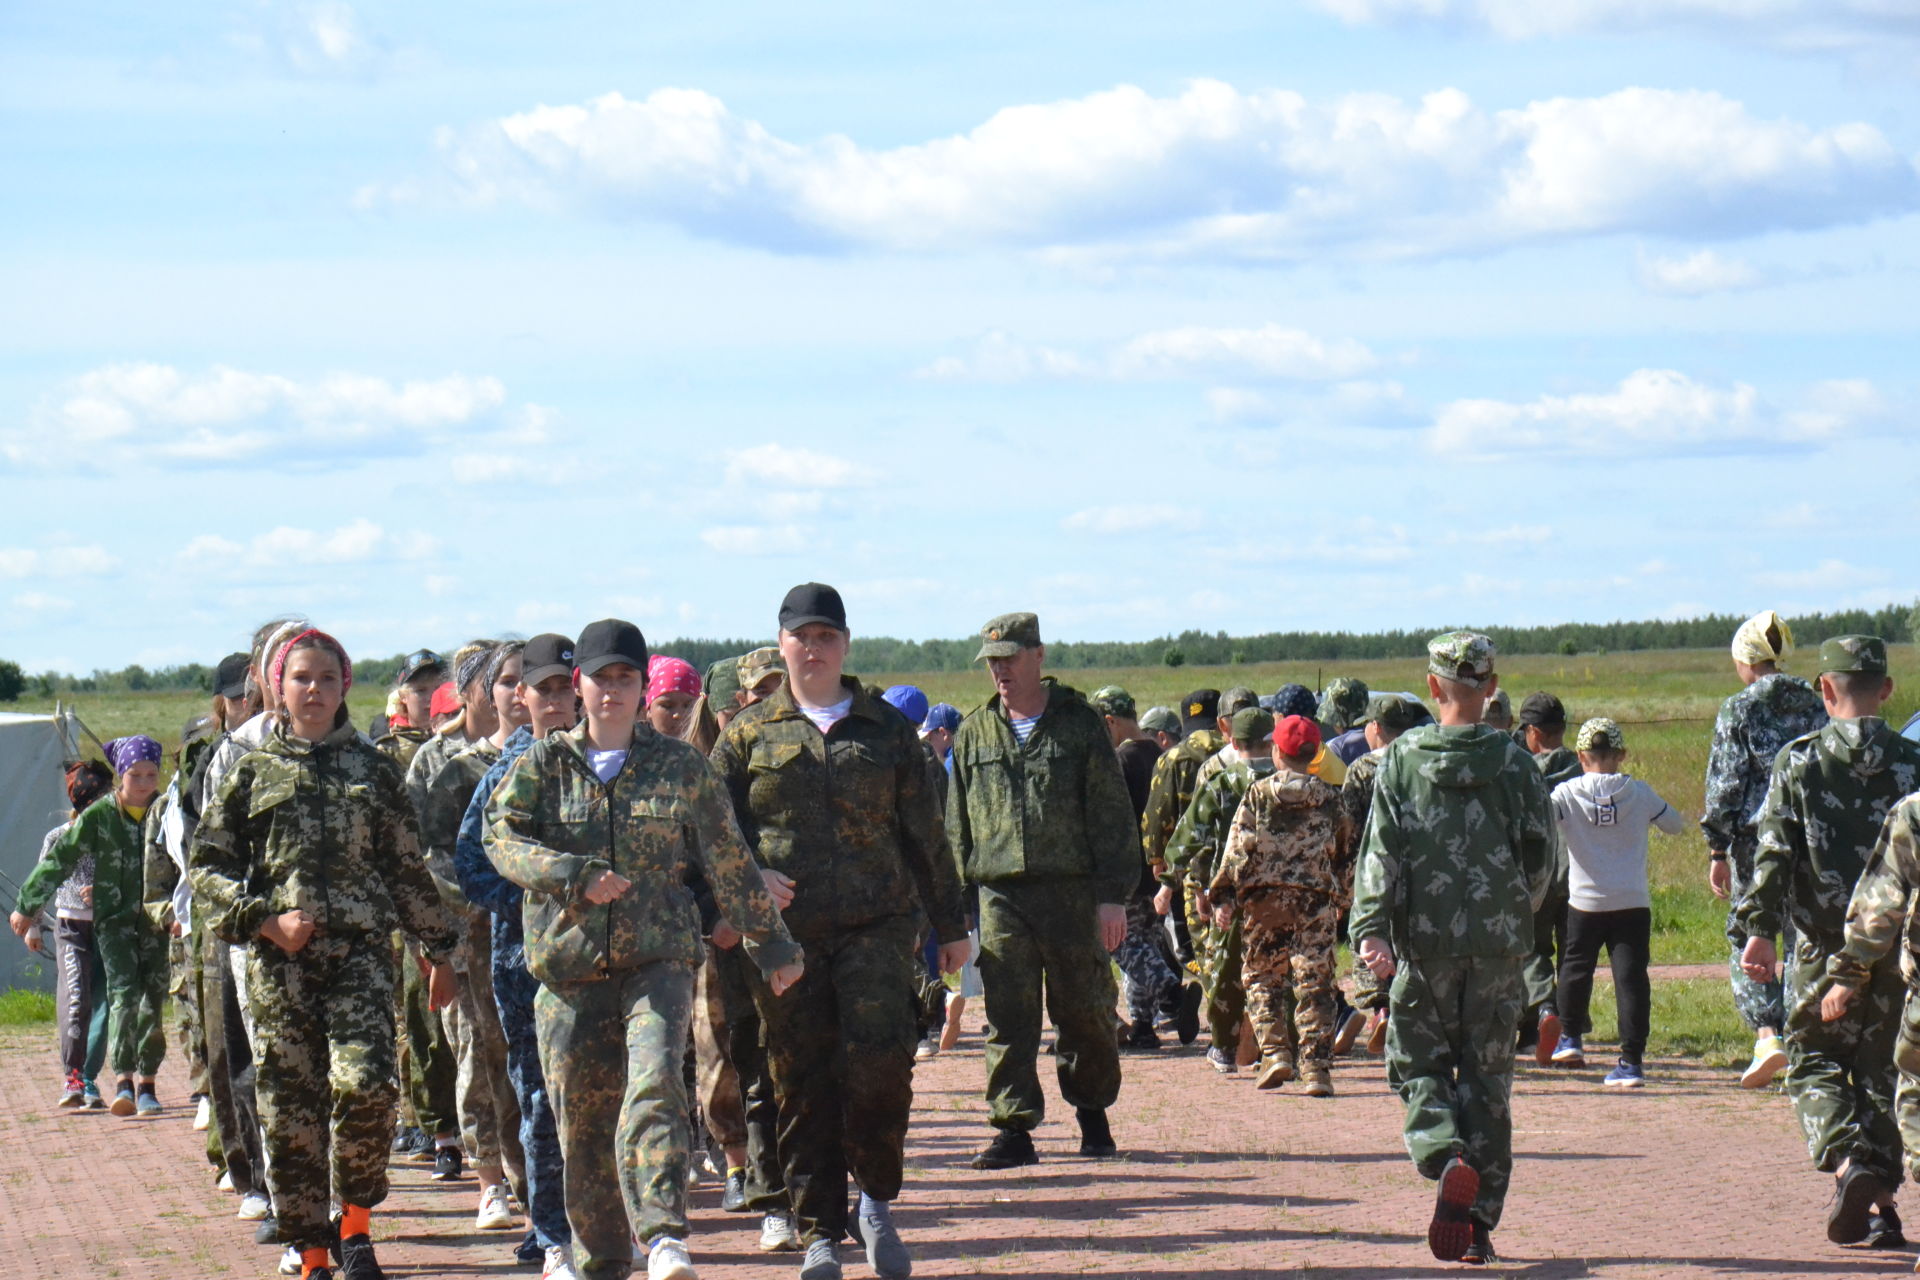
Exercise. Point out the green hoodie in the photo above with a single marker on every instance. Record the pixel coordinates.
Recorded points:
(1459, 846)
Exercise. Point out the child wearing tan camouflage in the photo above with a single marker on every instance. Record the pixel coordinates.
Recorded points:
(1287, 872)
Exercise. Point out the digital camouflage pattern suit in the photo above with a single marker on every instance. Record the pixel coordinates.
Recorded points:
(1191, 854)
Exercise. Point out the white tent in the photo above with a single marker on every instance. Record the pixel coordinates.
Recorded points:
(33, 800)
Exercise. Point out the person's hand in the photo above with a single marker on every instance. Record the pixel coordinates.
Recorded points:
(1113, 925)
(289, 931)
(954, 955)
(174, 929)
(1203, 903)
(1377, 956)
(1163, 900)
(605, 887)
(443, 985)
(784, 977)
(86, 894)
(724, 935)
(1758, 958)
(779, 887)
(1720, 878)
(35, 942)
(19, 924)
(1222, 916)
(1834, 1005)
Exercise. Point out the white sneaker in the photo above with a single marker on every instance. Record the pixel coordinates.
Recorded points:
(226, 1183)
(927, 1048)
(253, 1207)
(203, 1114)
(290, 1262)
(558, 1266)
(494, 1214)
(777, 1234)
(1769, 1060)
(667, 1259)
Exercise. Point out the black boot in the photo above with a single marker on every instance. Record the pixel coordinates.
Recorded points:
(1096, 1139)
(1010, 1149)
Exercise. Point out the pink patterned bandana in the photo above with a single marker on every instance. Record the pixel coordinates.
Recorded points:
(670, 675)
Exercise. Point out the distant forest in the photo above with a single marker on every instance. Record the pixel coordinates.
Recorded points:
(877, 654)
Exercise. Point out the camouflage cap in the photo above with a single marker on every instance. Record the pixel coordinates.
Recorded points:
(1865, 654)
(1252, 724)
(758, 665)
(1499, 703)
(1600, 734)
(1161, 720)
(1395, 712)
(1236, 698)
(1007, 635)
(723, 683)
(1463, 656)
(1344, 697)
(1112, 700)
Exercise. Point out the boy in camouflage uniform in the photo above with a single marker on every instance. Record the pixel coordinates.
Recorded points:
(1825, 807)
(1168, 795)
(1457, 856)
(1543, 732)
(1286, 877)
(1388, 716)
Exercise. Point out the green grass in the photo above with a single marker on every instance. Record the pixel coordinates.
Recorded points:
(25, 1008)
(1692, 1018)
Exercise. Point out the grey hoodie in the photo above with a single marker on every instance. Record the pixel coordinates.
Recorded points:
(1604, 818)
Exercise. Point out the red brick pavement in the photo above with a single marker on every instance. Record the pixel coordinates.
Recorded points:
(1692, 1176)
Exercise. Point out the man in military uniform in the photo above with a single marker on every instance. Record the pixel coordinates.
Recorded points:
(1341, 705)
(1388, 716)
(1457, 856)
(1168, 796)
(1753, 725)
(1039, 819)
(1830, 793)
(1543, 732)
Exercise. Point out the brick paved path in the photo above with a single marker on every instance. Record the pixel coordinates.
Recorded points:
(1690, 1177)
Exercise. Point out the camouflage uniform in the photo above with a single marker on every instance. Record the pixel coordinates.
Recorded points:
(1830, 794)
(614, 1007)
(1752, 727)
(1046, 831)
(324, 827)
(132, 950)
(1356, 800)
(1174, 778)
(1457, 855)
(850, 817)
(1556, 765)
(1343, 705)
(1881, 916)
(1196, 844)
(1287, 873)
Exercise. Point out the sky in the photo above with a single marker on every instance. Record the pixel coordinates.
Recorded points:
(432, 322)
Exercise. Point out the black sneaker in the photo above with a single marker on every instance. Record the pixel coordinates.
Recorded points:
(1140, 1037)
(1853, 1205)
(1096, 1139)
(1450, 1233)
(529, 1249)
(1186, 1023)
(447, 1163)
(424, 1148)
(268, 1232)
(734, 1198)
(404, 1138)
(1883, 1231)
(1010, 1149)
(1480, 1253)
(357, 1261)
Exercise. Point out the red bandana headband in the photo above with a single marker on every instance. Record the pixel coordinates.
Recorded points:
(279, 668)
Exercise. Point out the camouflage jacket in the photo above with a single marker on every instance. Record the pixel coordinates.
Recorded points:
(399, 746)
(1561, 764)
(1881, 911)
(1829, 797)
(1356, 793)
(849, 815)
(159, 873)
(428, 760)
(1174, 778)
(1459, 846)
(1748, 733)
(105, 831)
(1290, 831)
(1218, 788)
(443, 804)
(324, 827)
(553, 826)
(1053, 809)
(480, 881)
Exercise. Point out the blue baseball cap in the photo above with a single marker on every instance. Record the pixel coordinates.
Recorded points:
(908, 701)
(942, 715)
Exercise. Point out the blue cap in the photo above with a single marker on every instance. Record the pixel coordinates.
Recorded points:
(908, 701)
(942, 715)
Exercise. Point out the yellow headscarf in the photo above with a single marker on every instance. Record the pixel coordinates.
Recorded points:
(1755, 642)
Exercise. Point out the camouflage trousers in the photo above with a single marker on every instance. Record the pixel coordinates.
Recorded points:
(545, 1196)
(717, 1083)
(134, 954)
(1288, 937)
(733, 980)
(614, 1053)
(235, 1130)
(1549, 946)
(1030, 931)
(1222, 966)
(1841, 1074)
(840, 1047)
(324, 1079)
(1450, 1037)
(1906, 1098)
(183, 985)
(1760, 1004)
(1146, 962)
(433, 1072)
(489, 1112)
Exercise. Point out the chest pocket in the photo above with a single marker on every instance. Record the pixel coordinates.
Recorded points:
(272, 789)
(576, 806)
(658, 830)
(771, 757)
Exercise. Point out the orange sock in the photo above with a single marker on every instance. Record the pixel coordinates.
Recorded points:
(312, 1260)
(355, 1221)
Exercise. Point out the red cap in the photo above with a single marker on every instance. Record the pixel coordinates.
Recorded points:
(446, 701)
(1296, 737)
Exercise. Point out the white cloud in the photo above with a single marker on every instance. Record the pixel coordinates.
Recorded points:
(1268, 351)
(1696, 275)
(56, 562)
(121, 416)
(1127, 518)
(1656, 410)
(776, 464)
(38, 602)
(290, 549)
(1513, 535)
(1828, 576)
(1362, 403)
(755, 539)
(321, 39)
(1211, 172)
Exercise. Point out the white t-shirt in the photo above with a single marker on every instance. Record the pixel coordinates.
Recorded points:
(606, 763)
(1604, 818)
(824, 718)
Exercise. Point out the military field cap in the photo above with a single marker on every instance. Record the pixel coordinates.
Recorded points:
(1112, 700)
(1543, 711)
(1297, 737)
(1465, 656)
(1252, 724)
(1600, 734)
(1501, 702)
(1199, 709)
(1395, 712)
(1007, 635)
(758, 665)
(812, 602)
(419, 662)
(1865, 654)
(1161, 720)
(547, 654)
(1236, 698)
(723, 683)
(1344, 694)
(230, 677)
(608, 641)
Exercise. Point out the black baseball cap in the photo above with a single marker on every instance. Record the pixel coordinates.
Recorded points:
(1199, 709)
(546, 655)
(1543, 711)
(812, 602)
(230, 677)
(418, 662)
(606, 642)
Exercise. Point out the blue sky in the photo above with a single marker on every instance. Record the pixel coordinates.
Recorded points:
(434, 321)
